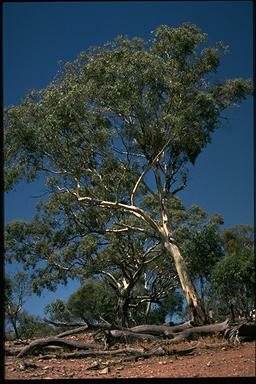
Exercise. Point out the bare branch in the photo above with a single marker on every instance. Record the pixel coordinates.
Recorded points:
(128, 153)
(148, 167)
(62, 189)
(181, 187)
(152, 259)
(150, 249)
(117, 230)
(126, 228)
(136, 211)
(113, 279)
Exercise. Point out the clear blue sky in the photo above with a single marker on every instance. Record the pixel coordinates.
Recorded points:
(36, 36)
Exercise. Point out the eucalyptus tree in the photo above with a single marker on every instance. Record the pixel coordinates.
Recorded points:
(238, 238)
(17, 289)
(233, 276)
(119, 117)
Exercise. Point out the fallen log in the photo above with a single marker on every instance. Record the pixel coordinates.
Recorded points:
(224, 345)
(161, 330)
(135, 352)
(154, 331)
(87, 324)
(73, 331)
(64, 324)
(41, 343)
(180, 352)
(129, 336)
(112, 338)
(174, 334)
(195, 332)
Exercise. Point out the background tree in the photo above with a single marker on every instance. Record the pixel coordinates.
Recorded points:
(31, 326)
(238, 238)
(58, 311)
(93, 301)
(233, 276)
(201, 244)
(117, 115)
(17, 288)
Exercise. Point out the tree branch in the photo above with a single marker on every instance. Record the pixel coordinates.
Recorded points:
(112, 278)
(148, 167)
(136, 211)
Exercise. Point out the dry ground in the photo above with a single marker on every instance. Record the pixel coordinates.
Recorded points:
(232, 360)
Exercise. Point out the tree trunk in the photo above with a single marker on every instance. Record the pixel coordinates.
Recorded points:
(122, 311)
(15, 328)
(197, 313)
(202, 288)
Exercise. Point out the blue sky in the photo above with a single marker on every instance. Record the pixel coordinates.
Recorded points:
(36, 36)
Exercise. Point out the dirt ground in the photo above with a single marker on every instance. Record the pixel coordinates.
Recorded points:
(231, 360)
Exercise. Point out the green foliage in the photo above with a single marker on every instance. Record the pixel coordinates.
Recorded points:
(238, 238)
(233, 276)
(33, 327)
(57, 311)
(17, 288)
(170, 305)
(202, 249)
(53, 250)
(93, 300)
(198, 236)
(233, 282)
(145, 92)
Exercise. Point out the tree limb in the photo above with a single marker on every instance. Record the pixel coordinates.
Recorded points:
(148, 167)
(54, 341)
(136, 211)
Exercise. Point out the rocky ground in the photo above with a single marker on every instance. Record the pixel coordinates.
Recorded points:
(210, 359)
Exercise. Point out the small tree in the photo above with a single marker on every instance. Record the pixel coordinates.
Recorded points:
(117, 115)
(31, 326)
(233, 276)
(17, 288)
(93, 301)
(201, 244)
(58, 311)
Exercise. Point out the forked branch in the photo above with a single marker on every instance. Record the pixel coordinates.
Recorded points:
(148, 167)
